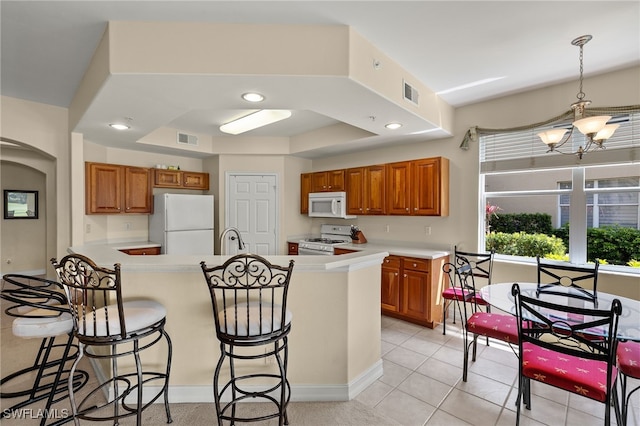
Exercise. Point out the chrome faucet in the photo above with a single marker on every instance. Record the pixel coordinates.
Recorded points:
(224, 234)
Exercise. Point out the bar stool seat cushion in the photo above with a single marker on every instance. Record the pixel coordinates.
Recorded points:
(628, 354)
(228, 321)
(47, 325)
(138, 315)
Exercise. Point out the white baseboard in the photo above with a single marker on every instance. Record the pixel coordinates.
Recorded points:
(314, 393)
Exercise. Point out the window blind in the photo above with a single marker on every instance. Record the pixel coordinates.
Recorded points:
(521, 150)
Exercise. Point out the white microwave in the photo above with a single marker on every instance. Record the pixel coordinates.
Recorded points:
(328, 204)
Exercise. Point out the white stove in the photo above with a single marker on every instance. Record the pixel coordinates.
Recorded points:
(330, 236)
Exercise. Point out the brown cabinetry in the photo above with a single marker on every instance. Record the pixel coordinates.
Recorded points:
(180, 179)
(142, 251)
(305, 189)
(411, 289)
(113, 188)
(419, 187)
(292, 249)
(365, 187)
(329, 181)
(338, 250)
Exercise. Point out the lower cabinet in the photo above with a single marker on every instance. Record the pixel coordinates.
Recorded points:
(142, 251)
(411, 289)
(292, 249)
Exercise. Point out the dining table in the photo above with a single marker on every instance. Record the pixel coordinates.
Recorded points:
(499, 295)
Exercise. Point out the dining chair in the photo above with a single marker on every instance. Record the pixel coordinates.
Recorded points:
(109, 328)
(475, 322)
(252, 321)
(582, 279)
(628, 357)
(554, 350)
(481, 267)
(40, 311)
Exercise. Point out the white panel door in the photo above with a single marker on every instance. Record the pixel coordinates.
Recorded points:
(252, 208)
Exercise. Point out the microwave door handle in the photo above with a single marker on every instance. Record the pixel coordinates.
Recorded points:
(334, 207)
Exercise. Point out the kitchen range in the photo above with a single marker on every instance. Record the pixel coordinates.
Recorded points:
(330, 236)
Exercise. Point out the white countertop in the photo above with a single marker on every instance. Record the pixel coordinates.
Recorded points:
(108, 254)
(397, 248)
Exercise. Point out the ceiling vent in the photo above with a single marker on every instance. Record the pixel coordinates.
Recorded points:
(410, 93)
(186, 139)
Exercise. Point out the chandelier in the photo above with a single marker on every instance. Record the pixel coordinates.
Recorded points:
(595, 129)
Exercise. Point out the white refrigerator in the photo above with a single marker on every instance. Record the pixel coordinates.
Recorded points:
(182, 223)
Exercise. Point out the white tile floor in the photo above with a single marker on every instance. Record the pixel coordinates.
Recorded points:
(422, 384)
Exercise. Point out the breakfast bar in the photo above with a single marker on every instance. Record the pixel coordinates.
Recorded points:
(334, 345)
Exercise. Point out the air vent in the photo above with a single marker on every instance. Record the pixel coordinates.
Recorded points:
(186, 139)
(410, 93)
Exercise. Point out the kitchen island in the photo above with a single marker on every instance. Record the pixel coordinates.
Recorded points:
(334, 345)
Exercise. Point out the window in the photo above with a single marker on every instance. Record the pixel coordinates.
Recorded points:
(518, 175)
(619, 208)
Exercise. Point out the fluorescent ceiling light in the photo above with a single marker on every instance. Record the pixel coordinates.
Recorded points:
(255, 120)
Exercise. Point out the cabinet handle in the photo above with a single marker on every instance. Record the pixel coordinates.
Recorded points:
(405, 275)
(414, 265)
(415, 209)
(407, 209)
(395, 273)
(386, 260)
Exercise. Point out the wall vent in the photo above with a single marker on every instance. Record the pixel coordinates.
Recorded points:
(410, 93)
(186, 139)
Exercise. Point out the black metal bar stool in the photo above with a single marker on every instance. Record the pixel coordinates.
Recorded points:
(41, 311)
(108, 328)
(249, 297)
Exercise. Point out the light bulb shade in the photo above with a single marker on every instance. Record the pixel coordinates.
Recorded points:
(255, 120)
(552, 136)
(591, 125)
(606, 132)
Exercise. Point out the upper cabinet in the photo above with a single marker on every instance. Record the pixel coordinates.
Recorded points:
(414, 188)
(329, 181)
(180, 179)
(305, 189)
(419, 187)
(112, 188)
(366, 190)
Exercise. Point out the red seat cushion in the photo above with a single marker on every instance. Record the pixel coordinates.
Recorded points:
(629, 358)
(577, 375)
(498, 326)
(454, 293)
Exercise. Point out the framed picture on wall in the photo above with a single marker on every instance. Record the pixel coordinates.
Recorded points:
(20, 204)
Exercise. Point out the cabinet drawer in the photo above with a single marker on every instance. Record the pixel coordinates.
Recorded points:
(416, 264)
(391, 262)
(292, 248)
(337, 250)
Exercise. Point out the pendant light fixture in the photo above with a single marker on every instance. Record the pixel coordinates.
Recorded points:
(595, 128)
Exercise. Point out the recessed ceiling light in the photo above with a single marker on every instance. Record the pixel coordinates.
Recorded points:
(255, 120)
(393, 126)
(119, 126)
(252, 97)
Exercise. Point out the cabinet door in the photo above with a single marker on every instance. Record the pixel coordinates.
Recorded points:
(427, 191)
(195, 180)
(415, 295)
(374, 190)
(320, 182)
(336, 180)
(337, 251)
(305, 189)
(398, 192)
(167, 178)
(355, 190)
(390, 284)
(143, 251)
(138, 194)
(292, 248)
(103, 188)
